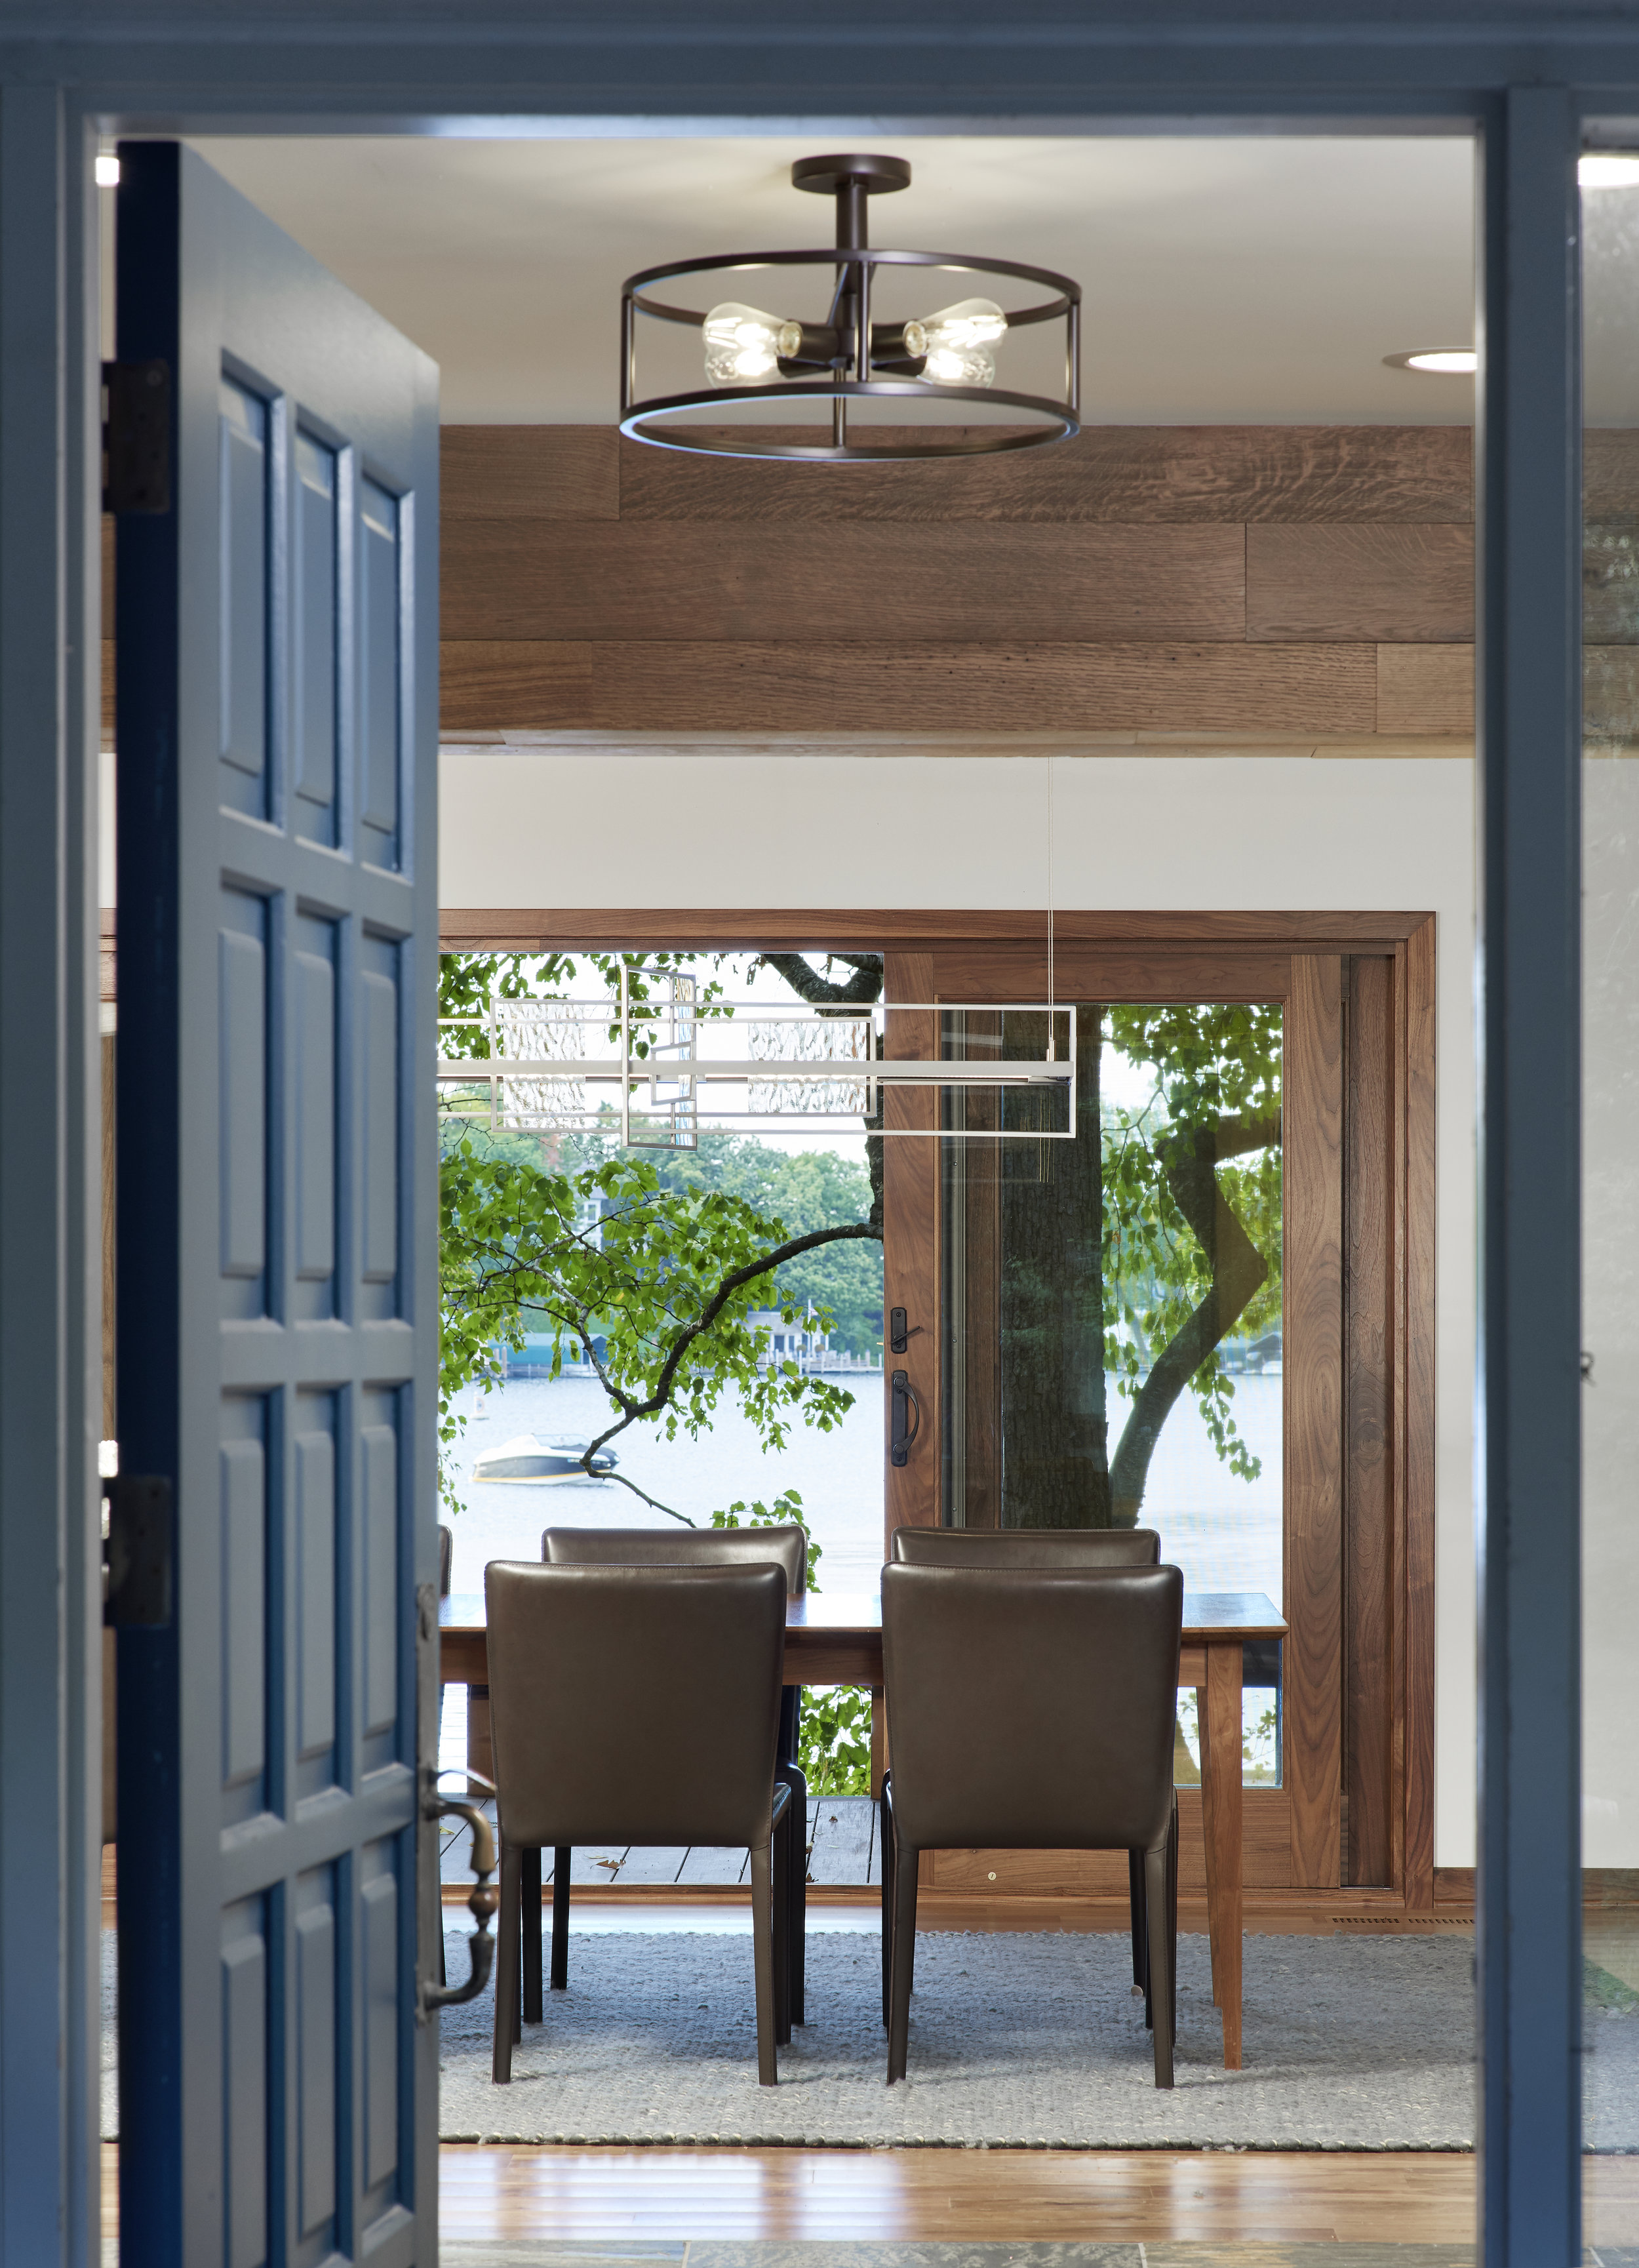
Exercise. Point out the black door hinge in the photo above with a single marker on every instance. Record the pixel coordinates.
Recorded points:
(141, 1552)
(137, 436)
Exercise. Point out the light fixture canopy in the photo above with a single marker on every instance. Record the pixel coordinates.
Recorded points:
(846, 356)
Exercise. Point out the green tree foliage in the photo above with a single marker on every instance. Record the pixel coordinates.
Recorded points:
(810, 1190)
(653, 1287)
(1191, 1245)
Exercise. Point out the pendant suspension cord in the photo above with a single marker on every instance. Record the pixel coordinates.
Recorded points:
(853, 234)
(1052, 761)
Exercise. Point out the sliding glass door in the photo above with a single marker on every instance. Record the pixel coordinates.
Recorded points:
(1188, 1307)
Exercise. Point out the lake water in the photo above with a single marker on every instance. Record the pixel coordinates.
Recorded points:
(1225, 1533)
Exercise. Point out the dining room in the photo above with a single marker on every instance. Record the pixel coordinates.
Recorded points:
(1065, 853)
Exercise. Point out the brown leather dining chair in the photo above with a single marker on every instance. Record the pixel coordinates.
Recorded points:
(680, 1546)
(1032, 1710)
(1032, 1547)
(639, 1706)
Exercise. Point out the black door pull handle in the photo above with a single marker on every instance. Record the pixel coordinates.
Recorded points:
(904, 1401)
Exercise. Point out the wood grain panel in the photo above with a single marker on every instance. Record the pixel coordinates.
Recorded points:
(1158, 972)
(522, 684)
(1312, 1124)
(1426, 688)
(1267, 1857)
(995, 685)
(1392, 584)
(1419, 1468)
(507, 577)
(1140, 473)
(1610, 471)
(529, 472)
(873, 929)
(1368, 1560)
(1610, 692)
(1610, 582)
(910, 1251)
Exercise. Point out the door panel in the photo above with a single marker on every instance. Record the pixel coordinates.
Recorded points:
(1314, 1416)
(276, 712)
(970, 1256)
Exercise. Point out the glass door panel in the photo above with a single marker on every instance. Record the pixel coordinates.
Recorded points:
(1112, 1305)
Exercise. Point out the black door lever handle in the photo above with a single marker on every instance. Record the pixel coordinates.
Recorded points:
(903, 1402)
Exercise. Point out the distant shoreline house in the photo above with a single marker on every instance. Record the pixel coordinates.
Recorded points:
(801, 1344)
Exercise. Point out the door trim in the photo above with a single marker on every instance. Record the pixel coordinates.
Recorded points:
(1262, 940)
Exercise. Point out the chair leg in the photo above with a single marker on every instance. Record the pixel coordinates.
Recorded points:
(1135, 1905)
(559, 1921)
(797, 1880)
(762, 1961)
(529, 1909)
(1161, 1957)
(1172, 1914)
(885, 1839)
(780, 1855)
(506, 1964)
(904, 1957)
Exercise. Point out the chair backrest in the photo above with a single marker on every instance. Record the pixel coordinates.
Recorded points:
(1026, 1546)
(1031, 1709)
(635, 1705)
(681, 1547)
(447, 1555)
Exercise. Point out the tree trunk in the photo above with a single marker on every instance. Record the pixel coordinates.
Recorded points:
(1239, 1270)
(1054, 1454)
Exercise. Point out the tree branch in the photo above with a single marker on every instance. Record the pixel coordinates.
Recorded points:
(1239, 1269)
(864, 987)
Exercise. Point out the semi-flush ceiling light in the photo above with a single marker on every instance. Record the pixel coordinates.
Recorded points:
(843, 355)
(1444, 361)
(1604, 169)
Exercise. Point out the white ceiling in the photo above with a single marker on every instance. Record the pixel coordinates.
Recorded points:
(1226, 280)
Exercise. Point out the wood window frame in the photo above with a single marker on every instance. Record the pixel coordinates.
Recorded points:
(1361, 1385)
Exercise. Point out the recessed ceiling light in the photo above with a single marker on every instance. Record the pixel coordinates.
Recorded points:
(1446, 362)
(1604, 169)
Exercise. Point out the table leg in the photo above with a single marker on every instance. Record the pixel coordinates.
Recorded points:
(1208, 1822)
(1221, 1740)
(480, 1753)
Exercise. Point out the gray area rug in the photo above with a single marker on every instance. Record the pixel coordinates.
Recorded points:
(1016, 2040)
(1030, 2040)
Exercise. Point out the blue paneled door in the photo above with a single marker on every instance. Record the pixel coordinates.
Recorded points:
(276, 731)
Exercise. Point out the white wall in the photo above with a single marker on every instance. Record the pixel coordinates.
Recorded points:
(591, 826)
(1610, 1243)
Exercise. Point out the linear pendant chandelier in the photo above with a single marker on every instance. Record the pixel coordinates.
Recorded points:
(845, 355)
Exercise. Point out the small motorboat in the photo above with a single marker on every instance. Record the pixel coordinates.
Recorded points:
(534, 1458)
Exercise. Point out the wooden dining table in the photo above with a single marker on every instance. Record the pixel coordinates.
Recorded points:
(835, 1639)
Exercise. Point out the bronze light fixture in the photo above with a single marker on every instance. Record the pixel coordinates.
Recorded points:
(948, 356)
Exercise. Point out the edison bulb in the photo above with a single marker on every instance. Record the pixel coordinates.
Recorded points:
(744, 345)
(959, 342)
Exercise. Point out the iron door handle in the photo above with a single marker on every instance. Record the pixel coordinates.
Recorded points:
(904, 1400)
(481, 1903)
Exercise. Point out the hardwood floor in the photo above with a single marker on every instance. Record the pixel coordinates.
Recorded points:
(934, 2196)
(950, 2196)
